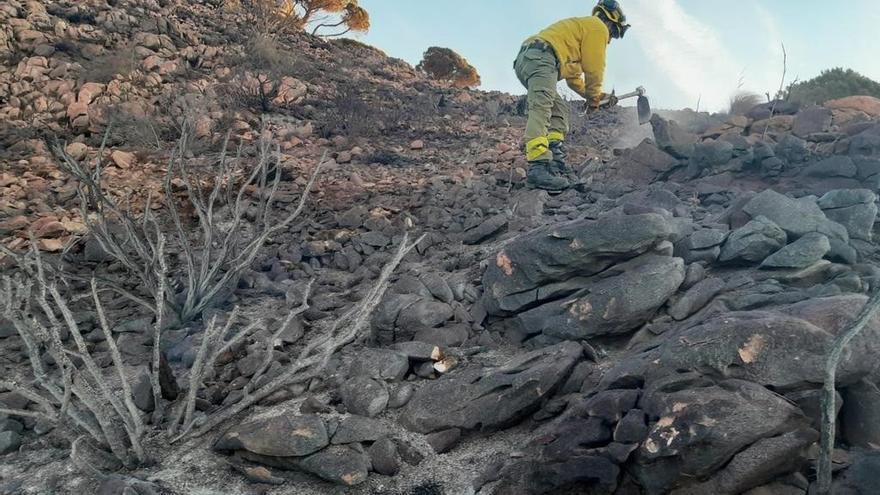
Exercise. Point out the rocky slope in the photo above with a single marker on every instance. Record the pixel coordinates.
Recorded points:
(660, 330)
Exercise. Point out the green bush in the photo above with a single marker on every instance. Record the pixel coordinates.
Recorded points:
(833, 84)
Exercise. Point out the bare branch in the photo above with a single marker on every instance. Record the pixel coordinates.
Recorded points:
(829, 408)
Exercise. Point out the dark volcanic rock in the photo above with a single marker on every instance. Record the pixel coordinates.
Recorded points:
(860, 478)
(280, 436)
(625, 298)
(493, 398)
(384, 457)
(355, 428)
(754, 241)
(801, 253)
(525, 272)
(645, 163)
(795, 216)
(338, 464)
(811, 121)
(364, 396)
(860, 415)
(701, 428)
(696, 297)
(835, 166)
(382, 364)
(855, 209)
(443, 441)
(672, 138)
(766, 460)
(783, 349)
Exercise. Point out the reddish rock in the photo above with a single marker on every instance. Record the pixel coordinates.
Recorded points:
(122, 159)
(418, 144)
(866, 104)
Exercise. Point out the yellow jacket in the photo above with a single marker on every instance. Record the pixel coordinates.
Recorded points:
(580, 44)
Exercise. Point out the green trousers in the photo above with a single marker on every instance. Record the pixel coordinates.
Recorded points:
(538, 71)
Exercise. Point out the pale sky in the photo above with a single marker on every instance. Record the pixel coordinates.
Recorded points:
(682, 51)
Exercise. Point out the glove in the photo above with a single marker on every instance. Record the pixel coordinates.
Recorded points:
(607, 101)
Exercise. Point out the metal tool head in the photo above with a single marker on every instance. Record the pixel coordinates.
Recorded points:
(644, 108)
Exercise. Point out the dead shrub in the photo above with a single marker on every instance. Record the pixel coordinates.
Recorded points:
(122, 61)
(443, 64)
(741, 103)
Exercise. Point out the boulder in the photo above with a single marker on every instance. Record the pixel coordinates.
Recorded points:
(364, 396)
(835, 166)
(710, 154)
(285, 435)
(860, 478)
(791, 149)
(384, 457)
(623, 299)
(764, 461)
(671, 138)
(10, 442)
(524, 273)
(489, 399)
(645, 163)
(812, 121)
(354, 429)
(865, 104)
(696, 298)
(338, 464)
(381, 364)
(855, 209)
(701, 427)
(784, 349)
(860, 415)
(753, 242)
(795, 216)
(801, 253)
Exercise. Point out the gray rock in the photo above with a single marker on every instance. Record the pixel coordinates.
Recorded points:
(861, 476)
(418, 351)
(835, 166)
(766, 460)
(126, 485)
(453, 335)
(381, 364)
(672, 138)
(792, 149)
(860, 415)
(142, 391)
(8, 424)
(704, 426)
(10, 442)
(811, 121)
(338, 464)
(400, 396)
(285, 435)
(855, 209)
(795, 216)
(625, 298)
(384, 457)
(443, 441)
(6, 328)
(364, 396)
(710, 154)
(493, 398)
(525, 271)
(355, 428)
(425, 313)
(694, 273)
(696, 298)
(753, 242)
(800, 254)
(783, 349)
(706, 238)
(843, 198)
(645, 163)
(632, 428)
(485, 230)
(438, 287)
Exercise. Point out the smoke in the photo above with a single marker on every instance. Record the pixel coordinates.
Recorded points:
(687, 51)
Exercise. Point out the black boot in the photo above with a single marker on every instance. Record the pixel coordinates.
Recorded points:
(540, 176)
(558, 166)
